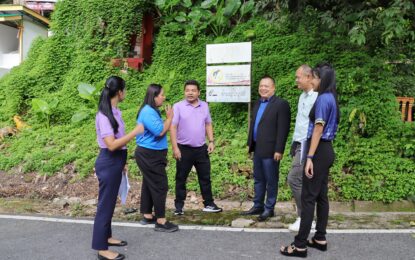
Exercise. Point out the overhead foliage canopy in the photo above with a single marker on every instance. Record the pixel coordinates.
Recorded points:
(366, 22)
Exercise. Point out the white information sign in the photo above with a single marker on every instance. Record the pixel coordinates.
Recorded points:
(232, 94)
(228, 75)
(228, 52)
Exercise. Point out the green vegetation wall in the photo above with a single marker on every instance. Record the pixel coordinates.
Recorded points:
(375, 150)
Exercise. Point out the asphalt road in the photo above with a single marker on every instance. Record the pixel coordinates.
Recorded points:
(33, 239)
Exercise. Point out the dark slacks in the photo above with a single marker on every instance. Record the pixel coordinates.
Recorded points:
(266, 175)
(108, 167)
(152, 164)
(198, 157)
(314, 191)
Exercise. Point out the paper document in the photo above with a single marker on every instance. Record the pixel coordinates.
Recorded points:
(124, 188)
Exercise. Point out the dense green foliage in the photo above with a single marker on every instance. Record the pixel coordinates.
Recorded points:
(375, 150)
(208, 16)
(86, 35)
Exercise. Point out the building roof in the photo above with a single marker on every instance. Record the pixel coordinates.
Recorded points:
(10, 13)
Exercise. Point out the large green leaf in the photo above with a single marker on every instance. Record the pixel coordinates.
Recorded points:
(209, 3)
(53, 103)
(231, 7)
(181, 17)
(187, 3)
(247, 7)
(39, 105)
(160, 3)
(86, 91)
(79, 116)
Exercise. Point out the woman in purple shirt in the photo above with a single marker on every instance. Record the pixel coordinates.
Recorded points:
(110, 163)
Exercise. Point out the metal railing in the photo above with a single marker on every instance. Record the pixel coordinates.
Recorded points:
(406, 105)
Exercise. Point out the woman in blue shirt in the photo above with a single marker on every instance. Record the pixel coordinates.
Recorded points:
(151, 158)
(324, 120)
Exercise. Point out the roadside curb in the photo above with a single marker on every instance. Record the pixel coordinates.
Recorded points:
(335, 206)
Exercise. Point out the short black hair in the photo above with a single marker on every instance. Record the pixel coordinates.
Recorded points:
(192, 82)
(268, 77)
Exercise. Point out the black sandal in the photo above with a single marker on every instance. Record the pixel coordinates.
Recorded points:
(295, 252)
(121, 243)
(316, 245)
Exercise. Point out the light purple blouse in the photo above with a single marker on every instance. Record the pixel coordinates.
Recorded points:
(191, 122)
(104, 128)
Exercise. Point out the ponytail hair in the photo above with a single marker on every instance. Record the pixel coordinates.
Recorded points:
(327, 75)
(112, 86)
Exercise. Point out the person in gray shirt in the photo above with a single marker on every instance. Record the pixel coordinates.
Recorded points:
(304, 80)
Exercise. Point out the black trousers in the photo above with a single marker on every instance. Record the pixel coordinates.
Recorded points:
(198, 157)
(314, 191)
(152, 164)
(108, 167)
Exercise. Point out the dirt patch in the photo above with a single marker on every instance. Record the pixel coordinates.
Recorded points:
(65, 194)
(62, 184)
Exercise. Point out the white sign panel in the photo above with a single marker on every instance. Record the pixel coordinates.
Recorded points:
(228, 52)
(241, 94)
(229, 75)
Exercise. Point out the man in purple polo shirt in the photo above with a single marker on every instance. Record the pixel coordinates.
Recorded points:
(191, 122)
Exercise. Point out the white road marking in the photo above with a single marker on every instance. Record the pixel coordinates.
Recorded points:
(209, 228)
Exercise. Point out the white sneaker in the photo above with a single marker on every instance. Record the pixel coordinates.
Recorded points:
(295, 226)
(212, 208)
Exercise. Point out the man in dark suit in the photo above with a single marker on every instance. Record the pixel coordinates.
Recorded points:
(268, 133)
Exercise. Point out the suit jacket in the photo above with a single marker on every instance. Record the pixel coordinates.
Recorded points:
(273, 128)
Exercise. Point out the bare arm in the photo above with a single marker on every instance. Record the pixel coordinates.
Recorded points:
(209, 133)
(315, 140)
(115, 144)
(173, 138)
(167, 123)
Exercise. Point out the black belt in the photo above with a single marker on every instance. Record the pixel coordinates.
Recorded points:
(321, 140)
(191, 147)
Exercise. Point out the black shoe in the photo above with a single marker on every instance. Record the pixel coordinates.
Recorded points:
(147, 221)
(253, 211)
(295, 252)
(314, 244)
(119, 257)
(265, 215)
(130, 210)
(122, 243)
(179, 212)
(167, 227)
(212, 208)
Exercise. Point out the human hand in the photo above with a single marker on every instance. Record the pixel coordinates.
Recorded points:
(277, 156)
(211, 147)
(177, 154)
(169, 111)
(309, 168)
